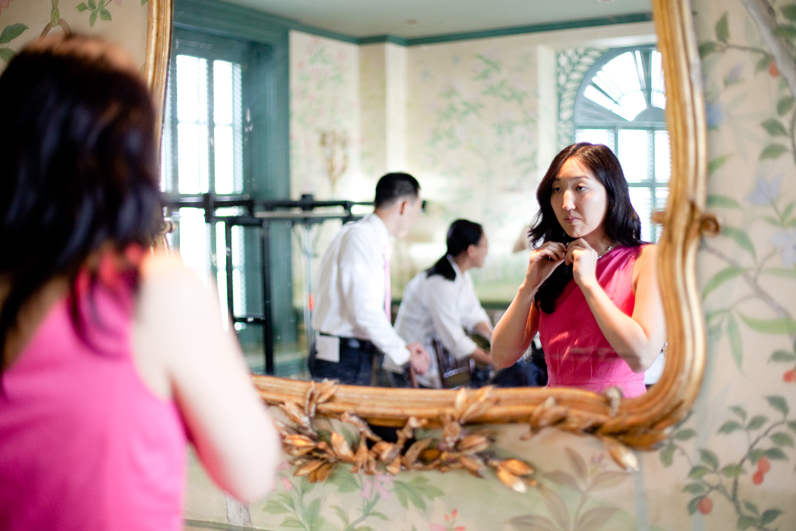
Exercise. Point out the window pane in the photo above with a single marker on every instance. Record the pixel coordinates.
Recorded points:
(166, 152)
(663, 162)
(193, 154)
(228, 132)
(623, 74)
(193, 238)
(225, 167)
(191, 89)
(222, 92)
(596, 136)
(642, 202)
(657, 83)
(238, 278)
(633, 154)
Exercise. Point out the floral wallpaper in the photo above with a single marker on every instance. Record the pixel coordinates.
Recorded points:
(324, 98)
(730, 463)
(123, 21)
(472, 138)
(325, 139)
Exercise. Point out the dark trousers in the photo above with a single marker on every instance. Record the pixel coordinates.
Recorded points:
(354, 368)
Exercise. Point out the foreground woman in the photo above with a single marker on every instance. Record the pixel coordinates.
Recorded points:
(111, 357)
(591, 288)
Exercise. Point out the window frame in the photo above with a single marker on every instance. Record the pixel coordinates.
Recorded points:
(266, 160)
(651, 126)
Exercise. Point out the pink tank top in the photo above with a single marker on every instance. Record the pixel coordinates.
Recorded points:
(84, 444)
(575, 350)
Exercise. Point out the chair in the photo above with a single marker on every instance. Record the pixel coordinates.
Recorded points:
(453, 372)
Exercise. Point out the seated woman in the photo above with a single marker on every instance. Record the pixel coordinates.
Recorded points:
(112, 357)
(591, 288)
(440, 303)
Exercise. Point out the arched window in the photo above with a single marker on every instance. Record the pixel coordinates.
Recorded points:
(620, 103)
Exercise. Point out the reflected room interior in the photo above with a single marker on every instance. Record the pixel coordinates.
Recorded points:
(477, 122)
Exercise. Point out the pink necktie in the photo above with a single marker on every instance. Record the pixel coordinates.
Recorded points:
(387, 292)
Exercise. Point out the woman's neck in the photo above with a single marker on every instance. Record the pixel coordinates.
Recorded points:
(462, 262)
(601, 243)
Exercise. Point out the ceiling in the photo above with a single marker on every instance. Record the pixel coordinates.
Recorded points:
(412, 19)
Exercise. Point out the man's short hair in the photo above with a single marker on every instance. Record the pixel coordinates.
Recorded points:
(394, 186)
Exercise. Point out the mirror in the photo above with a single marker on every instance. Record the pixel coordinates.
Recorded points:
(638, 422)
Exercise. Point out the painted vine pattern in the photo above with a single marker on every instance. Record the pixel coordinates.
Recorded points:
(302, 512)
(711, 480)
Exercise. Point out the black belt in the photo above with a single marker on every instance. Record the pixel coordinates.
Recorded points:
(353, 342)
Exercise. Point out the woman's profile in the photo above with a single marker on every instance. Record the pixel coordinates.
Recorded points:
(112, 357)
(440, 303)
(590, 289)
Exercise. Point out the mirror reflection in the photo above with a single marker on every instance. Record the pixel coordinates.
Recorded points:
(478, 122)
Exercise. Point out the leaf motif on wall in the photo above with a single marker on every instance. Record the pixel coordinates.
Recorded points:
(741, 238)
(11, 32)
(695, 488)
(721, 277)
(578, 464)
(773, 151)
(774, 127)
(734, 336)
(777, 325)
(779, 403)
(556, 506)
(730, 426)
(607, 480)
(667, 455)
(563, 478)
(593, 519)
(782, 439)
(723, 29)
(532, 522)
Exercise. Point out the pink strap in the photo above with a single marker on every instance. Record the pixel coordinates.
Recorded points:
(387, 291)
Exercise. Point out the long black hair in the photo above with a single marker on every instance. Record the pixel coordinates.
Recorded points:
(78, 167)
(461, 235)
(621, 223)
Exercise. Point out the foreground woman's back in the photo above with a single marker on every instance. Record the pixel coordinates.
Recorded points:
(111, 357)
(80, 427)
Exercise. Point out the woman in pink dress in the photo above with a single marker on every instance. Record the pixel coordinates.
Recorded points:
(591, 289)
(113, 358)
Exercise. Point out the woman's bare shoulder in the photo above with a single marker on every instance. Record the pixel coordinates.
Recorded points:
(161, 268)
(648, 252)
(646, 262)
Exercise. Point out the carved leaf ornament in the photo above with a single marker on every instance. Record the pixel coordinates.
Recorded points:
(313, 454)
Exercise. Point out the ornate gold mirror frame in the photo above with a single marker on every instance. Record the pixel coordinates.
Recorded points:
(158, 49)
(637, 422)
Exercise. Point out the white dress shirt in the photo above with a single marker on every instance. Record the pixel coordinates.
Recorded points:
(437, 308)
(351, 290)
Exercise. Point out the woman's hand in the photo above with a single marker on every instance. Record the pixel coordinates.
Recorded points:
(543, 261)
(584, 262)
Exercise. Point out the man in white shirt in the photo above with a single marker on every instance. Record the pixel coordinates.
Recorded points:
(353, 290)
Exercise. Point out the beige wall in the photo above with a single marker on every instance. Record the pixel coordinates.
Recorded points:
(127, 25)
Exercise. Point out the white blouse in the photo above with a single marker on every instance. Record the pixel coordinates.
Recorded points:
(437, 308)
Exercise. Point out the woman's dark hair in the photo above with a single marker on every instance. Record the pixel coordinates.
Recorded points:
(461, 235)
(78, 167)
(621, 223)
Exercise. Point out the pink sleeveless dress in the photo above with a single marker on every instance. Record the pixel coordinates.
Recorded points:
(576, 352)
(84, 444)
